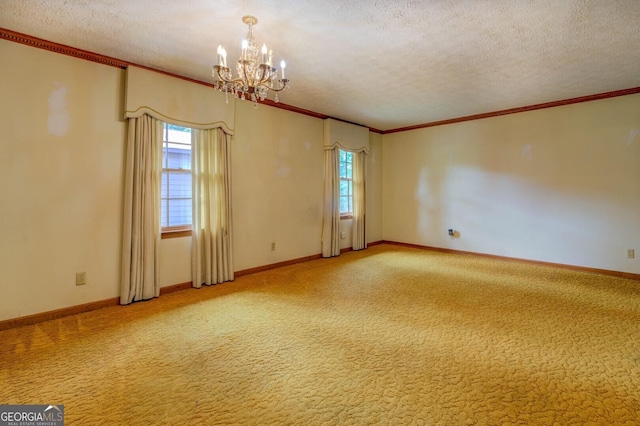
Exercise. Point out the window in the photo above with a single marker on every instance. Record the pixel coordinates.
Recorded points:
(176, 178)
(346, 184)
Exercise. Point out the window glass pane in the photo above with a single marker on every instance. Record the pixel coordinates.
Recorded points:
(179, 185)
(176, 184)
(177, 147)
(346, 175)
(165, 186)
(178, 134)
(163, 214)
(164, 155)
(179, 212)
(178, 157)
(344, 205)
(345, 196)
(343, 170)
(344, 187)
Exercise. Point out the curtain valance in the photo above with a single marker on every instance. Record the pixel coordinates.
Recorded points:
(177, 101)
(346, 136)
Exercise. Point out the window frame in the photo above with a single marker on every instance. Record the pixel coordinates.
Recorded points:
(348, 160)
(176, 230)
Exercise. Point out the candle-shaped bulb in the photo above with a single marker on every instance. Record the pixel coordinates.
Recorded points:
(245, 45)
(224, 57)
(264, 53)
(282, 65)
(220, 55)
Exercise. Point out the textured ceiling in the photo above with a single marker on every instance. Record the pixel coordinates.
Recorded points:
(381, 63)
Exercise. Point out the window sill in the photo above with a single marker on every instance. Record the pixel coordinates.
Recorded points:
(176, 233)
(346, 216)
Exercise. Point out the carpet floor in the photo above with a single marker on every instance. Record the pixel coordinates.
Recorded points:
(387, 335)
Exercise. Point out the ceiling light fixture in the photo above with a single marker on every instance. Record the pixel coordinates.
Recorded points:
(256, 73)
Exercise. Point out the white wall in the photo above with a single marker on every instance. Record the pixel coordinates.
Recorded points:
(61, 184)
(559, 185)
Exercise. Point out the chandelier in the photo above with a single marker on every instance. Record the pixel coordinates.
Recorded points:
(256, 73)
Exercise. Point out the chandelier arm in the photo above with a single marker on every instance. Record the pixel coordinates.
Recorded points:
(224, 71)
(284, 82)
(232, 81)
(228, 80)
(236, 82)
(264, 77)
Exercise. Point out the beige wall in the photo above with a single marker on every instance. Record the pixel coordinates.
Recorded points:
(61, 150)
(277, 167)
(61, 180)
(374, 189)
(559, 185)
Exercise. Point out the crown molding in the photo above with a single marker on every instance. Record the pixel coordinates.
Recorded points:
(60, 48)
(553, 104)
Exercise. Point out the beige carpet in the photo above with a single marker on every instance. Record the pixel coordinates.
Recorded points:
(389, 335)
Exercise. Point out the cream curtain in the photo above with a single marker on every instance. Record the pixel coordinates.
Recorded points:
(211, 257)
(331, 210)
(141, 219)
(359, 240)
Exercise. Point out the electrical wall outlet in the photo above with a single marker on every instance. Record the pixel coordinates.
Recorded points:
(81, 278)
(343, 235)
(273, 246)
(631, 253)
